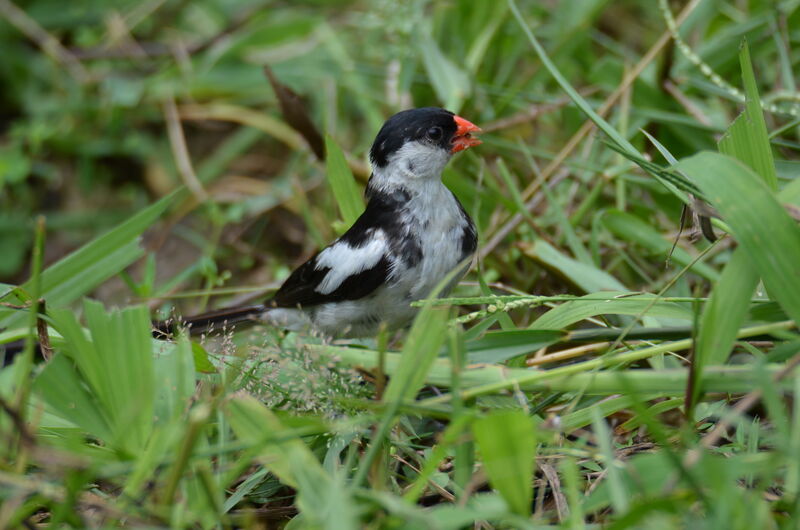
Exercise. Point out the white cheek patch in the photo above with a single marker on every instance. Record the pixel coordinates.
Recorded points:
(419, 159)
(345, 261)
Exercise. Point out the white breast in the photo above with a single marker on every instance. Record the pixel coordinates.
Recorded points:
(439, 223)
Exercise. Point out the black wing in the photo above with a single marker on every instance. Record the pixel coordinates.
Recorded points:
(301, 287)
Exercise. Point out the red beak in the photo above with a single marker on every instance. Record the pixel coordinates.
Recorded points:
(463, 138)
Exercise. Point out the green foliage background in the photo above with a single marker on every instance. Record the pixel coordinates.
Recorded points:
(602, 364)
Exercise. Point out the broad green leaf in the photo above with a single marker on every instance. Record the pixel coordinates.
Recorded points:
(123, 344)
(342, 182)
(174, 368)
(769, 236)
(116, 362)
(726, 309)
(92, 264)
(508, 446)
(498, 346)
(635, 230)
(65, 393)
(610, 303)
(587, 277)
(201, 362)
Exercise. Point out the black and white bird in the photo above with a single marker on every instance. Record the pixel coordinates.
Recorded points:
(412, 233)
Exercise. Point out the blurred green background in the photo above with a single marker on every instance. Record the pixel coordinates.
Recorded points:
(106, 107)
(91, 89)
(86, 89)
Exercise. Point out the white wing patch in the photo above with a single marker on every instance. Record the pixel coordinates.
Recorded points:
(345, 261)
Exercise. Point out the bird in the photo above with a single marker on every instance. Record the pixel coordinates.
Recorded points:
(412, 234)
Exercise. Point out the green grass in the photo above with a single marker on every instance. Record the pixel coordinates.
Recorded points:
(600, 366)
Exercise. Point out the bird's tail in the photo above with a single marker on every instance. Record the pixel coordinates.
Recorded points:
(206, 321)
(164, 328)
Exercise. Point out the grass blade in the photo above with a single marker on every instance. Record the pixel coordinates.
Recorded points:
(609, 303)
(746, 140)
(92, 264)
(631, 228)
(752, 211)
(498, 346)
(587, 277)
(342, 182)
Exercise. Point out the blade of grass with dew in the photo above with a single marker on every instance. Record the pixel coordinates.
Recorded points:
(609, 303)
(342, 182)
(759, 223)
(81, 271)
(507, 443)
(587, 277)
(631, 228)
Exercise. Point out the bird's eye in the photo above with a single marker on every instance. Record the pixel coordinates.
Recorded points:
(434, 133)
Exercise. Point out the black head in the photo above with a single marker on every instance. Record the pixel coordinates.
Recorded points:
(428, 124)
